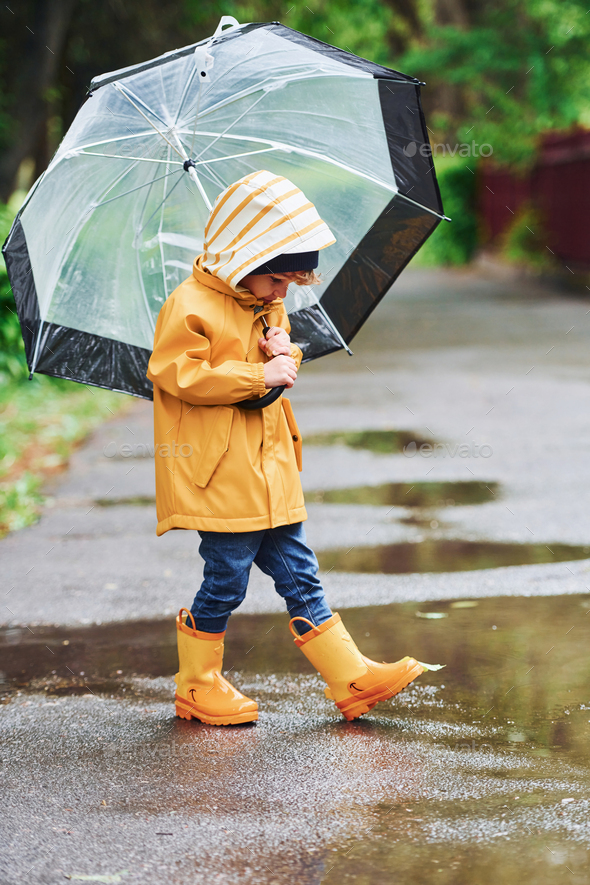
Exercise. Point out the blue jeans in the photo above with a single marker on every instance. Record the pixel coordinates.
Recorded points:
(281, 552)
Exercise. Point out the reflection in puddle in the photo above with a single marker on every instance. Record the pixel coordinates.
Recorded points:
(383, 442)
(406, 494)
(135, 501)
(516, 856)
(444, 556)
(474, 636)
(495, 651)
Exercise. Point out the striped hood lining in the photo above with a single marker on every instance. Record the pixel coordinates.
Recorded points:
(255, 219)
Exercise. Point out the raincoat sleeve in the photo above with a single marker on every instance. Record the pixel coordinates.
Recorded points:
(180, 365)
(283, 323)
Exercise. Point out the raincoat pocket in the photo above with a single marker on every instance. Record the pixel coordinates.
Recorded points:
(214, 446)
(294, 431)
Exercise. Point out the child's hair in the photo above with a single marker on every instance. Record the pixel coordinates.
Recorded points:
(302, 277)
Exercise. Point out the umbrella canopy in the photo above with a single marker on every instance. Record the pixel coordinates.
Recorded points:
(113, 225)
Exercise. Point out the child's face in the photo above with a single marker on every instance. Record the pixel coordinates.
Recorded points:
(267, 286)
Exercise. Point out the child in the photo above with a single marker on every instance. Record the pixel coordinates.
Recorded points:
(239, 487)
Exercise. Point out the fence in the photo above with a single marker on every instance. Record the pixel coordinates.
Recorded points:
(558, 186)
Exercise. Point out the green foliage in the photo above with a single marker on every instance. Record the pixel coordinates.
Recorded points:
(20, 503)
(12, 352)
(520, 69)
(359, 26)
(50, 415)
(524, 241)
(41, 422)
(453, 242)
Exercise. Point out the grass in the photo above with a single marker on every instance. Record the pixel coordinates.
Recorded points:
(41, 422)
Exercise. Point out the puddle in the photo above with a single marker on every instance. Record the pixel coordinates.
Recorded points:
(527, 859)
(136, 501)
(405, 494)
(520, 663)
(444, 556)
(100, 657)
(477, 639)
(477, 774)
(426, 495)
(383, 442)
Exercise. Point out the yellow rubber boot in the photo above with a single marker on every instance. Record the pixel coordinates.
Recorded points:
(355, 683)
(202, 692)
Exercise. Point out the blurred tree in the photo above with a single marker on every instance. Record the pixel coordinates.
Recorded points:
(51, 49)
(31, 53)
(503, 73)
(498, 72)
(360, 26)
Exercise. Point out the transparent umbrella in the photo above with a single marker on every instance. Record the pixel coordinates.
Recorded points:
(113, 225)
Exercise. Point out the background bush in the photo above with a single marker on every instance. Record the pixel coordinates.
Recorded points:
(12, 352)
(453, 242)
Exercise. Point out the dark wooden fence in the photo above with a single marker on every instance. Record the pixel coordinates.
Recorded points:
(558, 186)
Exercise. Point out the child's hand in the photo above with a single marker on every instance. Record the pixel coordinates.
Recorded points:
(276, 342)
(281, 370)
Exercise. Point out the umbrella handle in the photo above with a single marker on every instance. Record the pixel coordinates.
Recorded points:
(272, 396)
(263, 402)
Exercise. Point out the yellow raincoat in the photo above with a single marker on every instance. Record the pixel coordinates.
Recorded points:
(220, 468)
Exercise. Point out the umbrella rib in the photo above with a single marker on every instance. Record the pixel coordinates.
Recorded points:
(333, 326)
(214, 177)
(119, 179)
(233, 123)
(269, 84)
(196, 117)
(329, 321)
(122, 157)
(139, 187)
(138, 264)
(112, 140)
(35, 357)
(157, 209)
(160, 238)
(144, 293)
(184, 92)
(234, 156)
(68, 250)
(426, 209)
(124, 90)
(192, 173)
(338, 163)
(138, 109)
(302, 77)
(292, 149)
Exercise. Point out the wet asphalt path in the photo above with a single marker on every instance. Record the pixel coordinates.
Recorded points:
(463, 360)
(478, 774)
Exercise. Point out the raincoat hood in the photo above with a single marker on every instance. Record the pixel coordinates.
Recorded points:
(255, 219)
